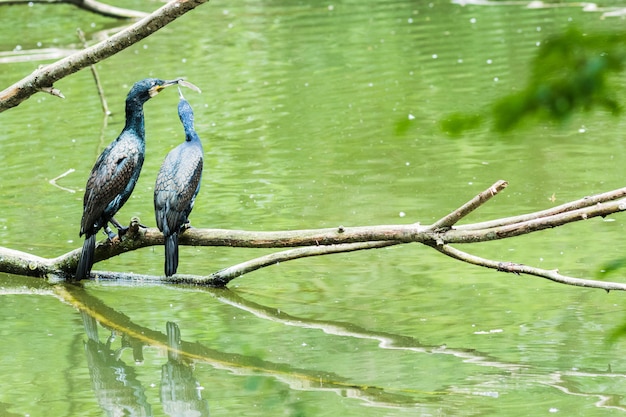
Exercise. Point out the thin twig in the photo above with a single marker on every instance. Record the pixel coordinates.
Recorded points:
(96, 77)
(472, 235)
(452, 218)
(52, 91)
(53, 181)
(223, 277)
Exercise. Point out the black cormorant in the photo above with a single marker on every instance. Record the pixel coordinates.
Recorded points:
(115, 173)
(177, 186)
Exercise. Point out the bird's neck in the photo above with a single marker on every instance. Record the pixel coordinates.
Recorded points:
(190, 133)
(134, 118)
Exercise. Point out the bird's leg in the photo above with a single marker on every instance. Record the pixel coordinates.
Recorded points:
(109, 232)
(121, 230)
(185, 226)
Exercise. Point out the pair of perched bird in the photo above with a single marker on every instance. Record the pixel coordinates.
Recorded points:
(117, 169)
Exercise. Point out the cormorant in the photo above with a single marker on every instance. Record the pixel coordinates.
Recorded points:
(115, 173)
(177, 186)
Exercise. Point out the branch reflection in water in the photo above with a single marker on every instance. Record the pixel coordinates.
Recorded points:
(116, 385)
(185, 353)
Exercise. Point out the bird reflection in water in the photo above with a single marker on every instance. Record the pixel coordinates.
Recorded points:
(180, 391)
(115, 383)
(119, 391)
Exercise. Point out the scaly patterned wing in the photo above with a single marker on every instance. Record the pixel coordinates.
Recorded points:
(177, 186)
(107, 184)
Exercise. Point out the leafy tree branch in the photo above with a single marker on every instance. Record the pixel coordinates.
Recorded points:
(572, 71)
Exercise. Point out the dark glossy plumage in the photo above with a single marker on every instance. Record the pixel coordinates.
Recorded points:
(177, 186)
(115, 172)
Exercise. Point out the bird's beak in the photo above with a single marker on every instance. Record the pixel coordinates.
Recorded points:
(157, 88)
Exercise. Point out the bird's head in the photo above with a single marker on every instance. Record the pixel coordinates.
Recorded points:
(147, 88)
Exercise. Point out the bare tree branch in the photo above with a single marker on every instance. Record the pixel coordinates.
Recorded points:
(107, 10)
(511, 229)
(317, 242)
(223, 277)
(45, 77)
(573, 205)
(552, 275)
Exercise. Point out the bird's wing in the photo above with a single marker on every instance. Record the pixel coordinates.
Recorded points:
(107, 183)
(189, 184)
(177, 185)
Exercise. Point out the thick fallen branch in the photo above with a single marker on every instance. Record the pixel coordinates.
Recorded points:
(43, 79)
(440, 235)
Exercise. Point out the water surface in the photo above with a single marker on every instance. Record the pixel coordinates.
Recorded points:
(314, 115)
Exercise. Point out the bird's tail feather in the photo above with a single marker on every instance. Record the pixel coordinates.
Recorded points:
(86, 258)
(171, 254)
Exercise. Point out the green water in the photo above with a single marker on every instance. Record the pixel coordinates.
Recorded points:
(314, 115)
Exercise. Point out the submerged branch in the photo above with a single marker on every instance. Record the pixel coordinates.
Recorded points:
(317, 242)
